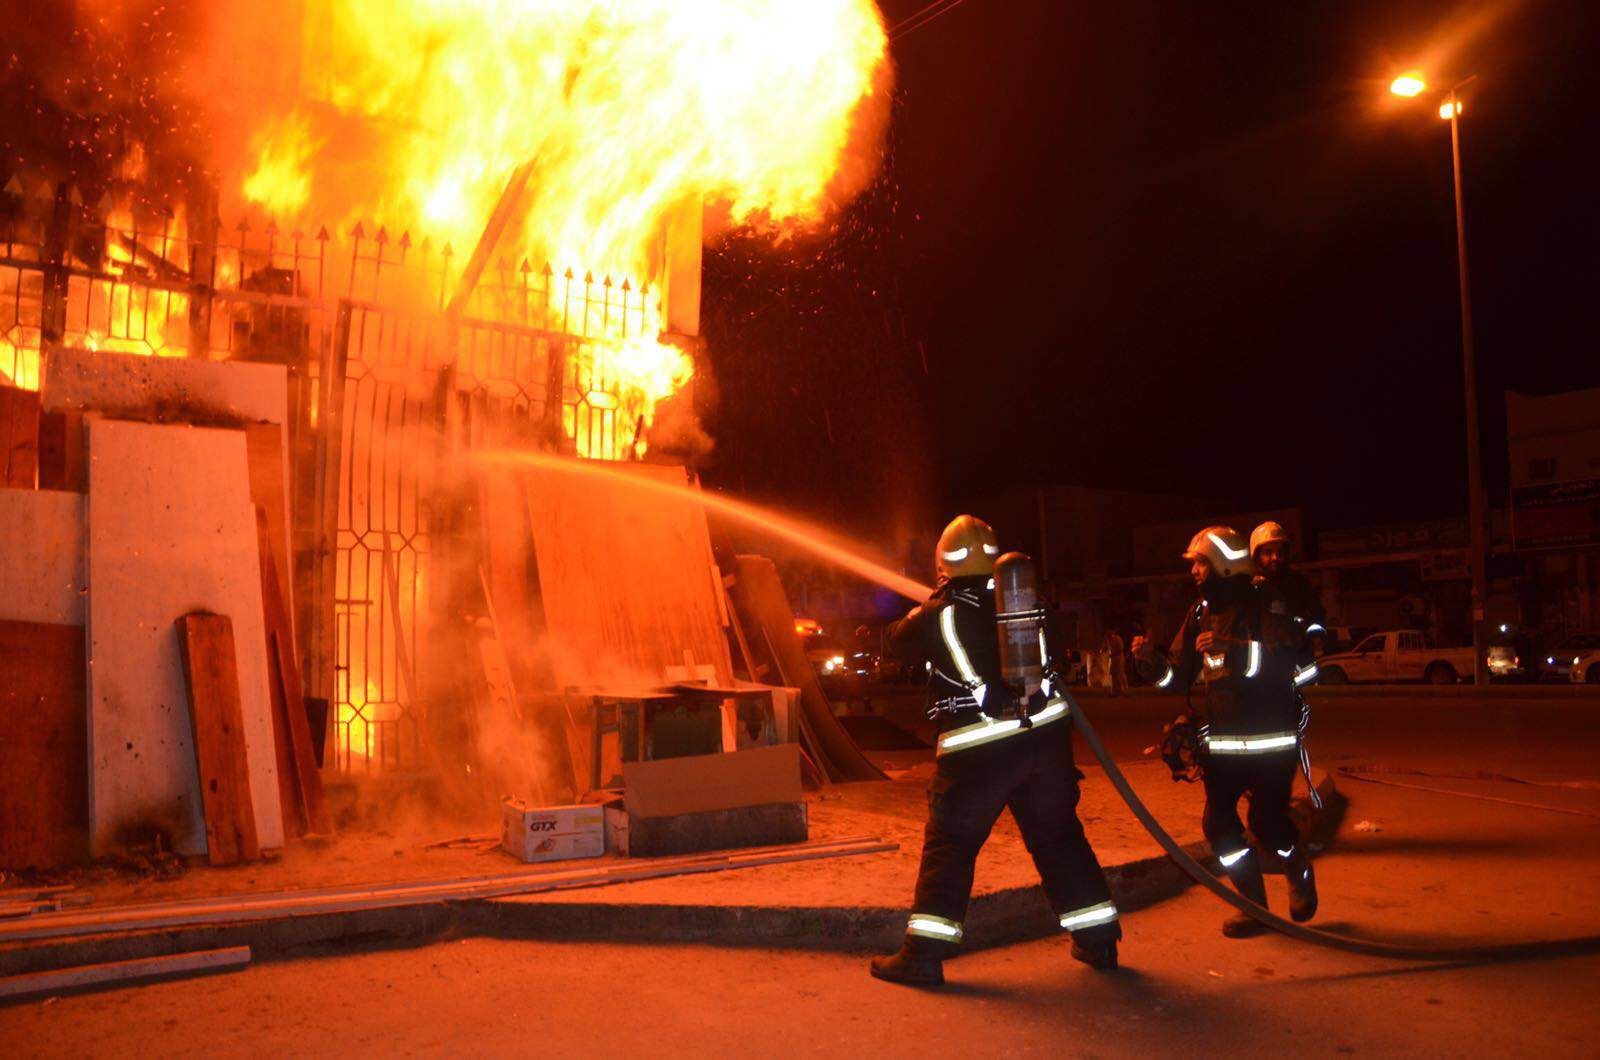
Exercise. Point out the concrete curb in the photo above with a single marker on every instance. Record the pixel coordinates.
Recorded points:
(994, 919)
(999, 918)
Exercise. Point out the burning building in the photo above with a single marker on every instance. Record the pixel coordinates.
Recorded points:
(457, 229)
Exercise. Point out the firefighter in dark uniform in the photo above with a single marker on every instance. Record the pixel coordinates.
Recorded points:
(1291, 597)
(1247, 728)
(994, 752)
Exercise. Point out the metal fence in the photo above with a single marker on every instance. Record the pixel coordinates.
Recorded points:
(382, 383)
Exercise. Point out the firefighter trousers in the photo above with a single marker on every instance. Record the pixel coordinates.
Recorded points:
(1033, 774)
(1268, 779)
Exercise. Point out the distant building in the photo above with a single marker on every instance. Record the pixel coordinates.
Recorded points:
(1554, 448)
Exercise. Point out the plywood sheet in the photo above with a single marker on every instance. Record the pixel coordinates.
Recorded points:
(44, 812)
(626, 577)
(42, 556)
(211, 672)
(171, 530)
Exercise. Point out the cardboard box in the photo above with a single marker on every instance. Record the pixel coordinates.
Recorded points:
(709, 802)
(551, 833)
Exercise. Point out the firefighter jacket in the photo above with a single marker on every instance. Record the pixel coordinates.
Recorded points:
(1290, 598)
(1247, 672)
(953, 636)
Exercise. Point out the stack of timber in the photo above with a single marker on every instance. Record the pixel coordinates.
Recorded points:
(149, 679)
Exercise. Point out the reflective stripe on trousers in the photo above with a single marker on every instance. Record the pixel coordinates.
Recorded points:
(1266, 743)
(929, 926)
(991, 729)
(1089, 916)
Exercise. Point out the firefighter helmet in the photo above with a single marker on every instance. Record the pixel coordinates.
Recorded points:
(1268, 533)
(1224, 548)
(968, 546)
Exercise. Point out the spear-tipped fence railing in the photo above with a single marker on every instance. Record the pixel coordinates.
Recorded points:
(377, 371)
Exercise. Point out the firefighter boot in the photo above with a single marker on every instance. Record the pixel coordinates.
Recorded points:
(1302, 884)
(1245, 872)
(1101, 956)
(914, 965)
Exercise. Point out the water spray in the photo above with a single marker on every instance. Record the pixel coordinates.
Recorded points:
(820, 543)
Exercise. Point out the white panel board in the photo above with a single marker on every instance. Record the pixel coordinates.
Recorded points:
(41, 556)
(127, 385)
(171, 530)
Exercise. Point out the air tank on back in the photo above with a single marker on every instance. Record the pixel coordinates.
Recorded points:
(1020, 619)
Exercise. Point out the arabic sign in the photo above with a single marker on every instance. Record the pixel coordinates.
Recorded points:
(1556, 514)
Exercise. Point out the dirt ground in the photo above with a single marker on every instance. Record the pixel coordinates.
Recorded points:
(1424, 867)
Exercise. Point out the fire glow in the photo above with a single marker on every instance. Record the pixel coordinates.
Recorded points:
(626, 115)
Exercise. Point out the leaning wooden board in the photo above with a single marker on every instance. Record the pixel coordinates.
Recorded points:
(299, 782)
(44, 812)
(628, 581)
(19, 438)
(211, 673)
(171, 530)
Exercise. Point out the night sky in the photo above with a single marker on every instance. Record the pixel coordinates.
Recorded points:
(1174, 247)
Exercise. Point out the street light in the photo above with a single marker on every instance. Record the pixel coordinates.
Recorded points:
(1409, 86)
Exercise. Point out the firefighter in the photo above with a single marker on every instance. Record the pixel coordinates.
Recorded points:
(1290, 597)
(1246, 658)
(1291, 593)
(994, 751)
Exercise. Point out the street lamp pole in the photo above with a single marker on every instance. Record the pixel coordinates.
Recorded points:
(1409, 86)
(1476, 513)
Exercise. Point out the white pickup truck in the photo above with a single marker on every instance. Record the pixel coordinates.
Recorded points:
(1398, 655)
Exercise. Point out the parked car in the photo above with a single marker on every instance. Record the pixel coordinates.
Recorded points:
(1559, 661)
(1397, 655)
(1343, 638)
(1512, 656)
(1585, 668)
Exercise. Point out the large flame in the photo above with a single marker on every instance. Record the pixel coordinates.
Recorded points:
(417, 112)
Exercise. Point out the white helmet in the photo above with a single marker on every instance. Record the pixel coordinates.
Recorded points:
(1224, 548)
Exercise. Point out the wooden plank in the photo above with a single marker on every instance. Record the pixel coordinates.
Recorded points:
(19, 438)
(61, 457)
(626, 577)
(211, 672)
(42, 535)
(269, 471)
(171, 531)
(763, 607)
(281, 905)
(56, 981)
(299, 781)
(44, 788)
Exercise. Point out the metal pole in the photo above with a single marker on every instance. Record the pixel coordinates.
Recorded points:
(1476, 515)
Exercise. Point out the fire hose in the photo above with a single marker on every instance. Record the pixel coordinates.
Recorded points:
(1398, 951)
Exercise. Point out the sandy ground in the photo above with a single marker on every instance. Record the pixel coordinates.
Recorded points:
(1425, 866)
(1440, 742)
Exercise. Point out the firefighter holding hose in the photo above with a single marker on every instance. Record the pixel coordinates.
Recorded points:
(1005, 740)
(1246, 733)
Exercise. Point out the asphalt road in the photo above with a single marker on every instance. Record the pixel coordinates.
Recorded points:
(1414, 865)
(1539, 738)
